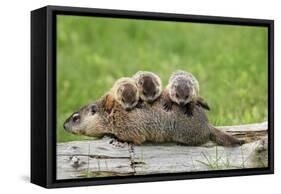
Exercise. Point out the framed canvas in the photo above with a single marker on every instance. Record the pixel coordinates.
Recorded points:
(127, 96)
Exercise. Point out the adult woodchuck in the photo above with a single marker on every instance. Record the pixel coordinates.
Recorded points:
(147, 124)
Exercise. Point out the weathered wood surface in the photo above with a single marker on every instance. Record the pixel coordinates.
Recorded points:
(79, 159)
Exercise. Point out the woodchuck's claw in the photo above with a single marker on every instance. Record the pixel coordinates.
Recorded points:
(116, 143)
(167, 107)
(139, 105)
(188, 112)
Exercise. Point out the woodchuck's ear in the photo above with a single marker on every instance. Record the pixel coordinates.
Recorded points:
(107, 103)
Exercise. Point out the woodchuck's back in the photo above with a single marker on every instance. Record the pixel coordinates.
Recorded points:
(157, 125)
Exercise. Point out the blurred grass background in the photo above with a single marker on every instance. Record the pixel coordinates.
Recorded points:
(230, 63)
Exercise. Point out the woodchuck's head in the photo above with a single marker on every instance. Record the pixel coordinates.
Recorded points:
(87, 121)
(149, 85)
(181, 90)
(126, 93)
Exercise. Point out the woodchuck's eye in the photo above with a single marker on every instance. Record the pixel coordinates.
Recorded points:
(177, 95)
(94, 108)
(144, 93)
(123, 100)
(75, 117)
(141, 82)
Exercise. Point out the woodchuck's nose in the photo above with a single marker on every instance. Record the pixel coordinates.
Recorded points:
(182, 103)
(64, 125)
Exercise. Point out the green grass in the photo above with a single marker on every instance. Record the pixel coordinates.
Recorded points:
(221, 161)
(230, 63)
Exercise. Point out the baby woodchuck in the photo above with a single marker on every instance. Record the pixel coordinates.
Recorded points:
(183, 89)
(124, 92)
(149, 85)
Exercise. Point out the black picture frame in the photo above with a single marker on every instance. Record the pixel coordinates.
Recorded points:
(43, 95)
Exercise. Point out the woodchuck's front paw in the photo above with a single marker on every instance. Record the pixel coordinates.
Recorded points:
(116, 143)
(188, 112)
(167, 106)
(139, 105)
(201, 102)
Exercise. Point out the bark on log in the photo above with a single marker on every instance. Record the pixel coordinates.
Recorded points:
(80, 159)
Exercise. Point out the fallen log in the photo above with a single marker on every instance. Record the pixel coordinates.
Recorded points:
(98, 158)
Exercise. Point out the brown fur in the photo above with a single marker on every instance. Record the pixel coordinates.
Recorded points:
(224, 139)
(108, 103)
